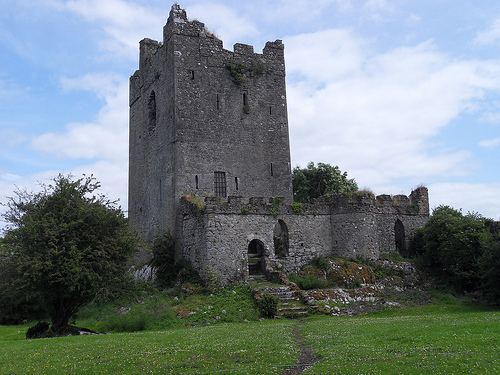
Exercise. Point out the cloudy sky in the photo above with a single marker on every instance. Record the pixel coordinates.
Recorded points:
(397, 93)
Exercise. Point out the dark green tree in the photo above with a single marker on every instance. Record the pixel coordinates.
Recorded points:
(451, 245)
(15, 307)
(71, 245)
(489, 265)
(318, 181)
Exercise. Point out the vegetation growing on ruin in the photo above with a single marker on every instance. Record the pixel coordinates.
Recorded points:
(297, 207)
(198, 201)
(237, 72)
(276, 207)
(166, 269)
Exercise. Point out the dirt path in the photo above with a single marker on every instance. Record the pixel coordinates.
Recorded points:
(306, 355)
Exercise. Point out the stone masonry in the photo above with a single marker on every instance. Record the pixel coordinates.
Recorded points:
(204, 121)
(224, 233)
(210, 154)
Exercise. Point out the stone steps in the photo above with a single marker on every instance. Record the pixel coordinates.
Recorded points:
(290, 305)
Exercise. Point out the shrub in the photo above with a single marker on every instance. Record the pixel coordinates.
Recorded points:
(489, 265)
(163, 260)
(268, 305)
(321, 262)
(308, 282)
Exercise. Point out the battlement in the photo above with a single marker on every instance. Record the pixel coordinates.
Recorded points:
(209, 44)
(360, 202)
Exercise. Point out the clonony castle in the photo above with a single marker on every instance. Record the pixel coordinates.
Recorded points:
(210, 163)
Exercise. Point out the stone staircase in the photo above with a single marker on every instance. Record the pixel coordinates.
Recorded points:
(290, 304)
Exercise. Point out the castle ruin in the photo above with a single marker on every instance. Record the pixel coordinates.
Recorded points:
(210, 163)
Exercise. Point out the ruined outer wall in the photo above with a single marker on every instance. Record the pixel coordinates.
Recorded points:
(349, 227)
(365, 226)
(229, 231)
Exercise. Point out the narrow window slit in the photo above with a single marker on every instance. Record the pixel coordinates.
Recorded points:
(160, 192)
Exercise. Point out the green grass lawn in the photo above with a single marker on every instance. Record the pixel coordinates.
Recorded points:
(258, 348)
(433, 342)
(444, 338)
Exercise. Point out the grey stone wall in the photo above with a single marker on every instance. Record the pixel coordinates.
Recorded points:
(191, 117)
(218, 236)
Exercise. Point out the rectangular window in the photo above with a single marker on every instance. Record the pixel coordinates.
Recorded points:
(220, 184)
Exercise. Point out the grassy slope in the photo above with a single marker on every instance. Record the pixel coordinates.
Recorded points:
(445, 338)
(432, 339)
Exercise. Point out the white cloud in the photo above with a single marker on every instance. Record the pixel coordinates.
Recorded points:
(113, 176)
(9, 183)
(375, 115)
(490, 143)
(490, 35)
(107, 136)
(225, 21)
(11, 137)
(481, 198)
(125, 23)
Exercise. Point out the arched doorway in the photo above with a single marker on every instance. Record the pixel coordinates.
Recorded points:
(255, 253)
(399, 234)
(280, 236)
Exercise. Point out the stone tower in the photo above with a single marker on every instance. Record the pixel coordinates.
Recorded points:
(204, 121)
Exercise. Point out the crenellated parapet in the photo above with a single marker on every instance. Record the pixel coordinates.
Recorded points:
(417, 203)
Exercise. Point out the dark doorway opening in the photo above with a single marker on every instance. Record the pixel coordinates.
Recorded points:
(280, 236)
(399, 232)
(255, 254)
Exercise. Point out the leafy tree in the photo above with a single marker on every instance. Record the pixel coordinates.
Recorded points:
(489, 265)
(451, 245)
(70, 244)
(314, 182)
(15, 307)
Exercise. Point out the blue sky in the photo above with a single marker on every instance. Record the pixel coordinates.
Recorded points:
(397, 93)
